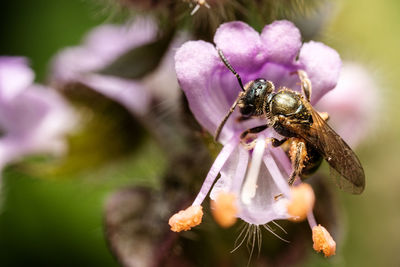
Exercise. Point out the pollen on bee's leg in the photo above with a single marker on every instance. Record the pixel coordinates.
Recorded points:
(186, 219)
(298, 153)
(324, 115)
(323, 241)
(224, 209)
(301, 202)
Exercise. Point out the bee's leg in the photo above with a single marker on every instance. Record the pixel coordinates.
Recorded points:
(305, 84)
(276, 142)
(254, 130)
(298, 154)
(247, 139)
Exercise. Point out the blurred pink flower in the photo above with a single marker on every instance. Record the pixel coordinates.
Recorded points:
(353, 105)
(33, 118)
(102, 46)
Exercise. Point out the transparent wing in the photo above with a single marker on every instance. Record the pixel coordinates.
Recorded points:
(344, 163)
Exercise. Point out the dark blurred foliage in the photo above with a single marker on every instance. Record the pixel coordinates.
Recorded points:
(205, 21)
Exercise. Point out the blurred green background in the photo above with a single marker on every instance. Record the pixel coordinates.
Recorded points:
(57, 220)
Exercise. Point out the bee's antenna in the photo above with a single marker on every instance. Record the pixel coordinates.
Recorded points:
(221, 125)
(229, 66)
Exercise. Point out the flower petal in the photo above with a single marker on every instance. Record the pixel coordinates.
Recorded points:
(129, 93)
(232, 174)
(264, 208)
(241, 45)
(59, 120)
(110, 41)
(322, 65)
(101, 46)
(352, 105)
(196, 63)
(280, 75)
(35, 122)
(282, 41)
(15, 77)
(21, 115)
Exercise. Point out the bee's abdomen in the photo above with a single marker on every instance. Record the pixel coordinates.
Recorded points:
(314, 160)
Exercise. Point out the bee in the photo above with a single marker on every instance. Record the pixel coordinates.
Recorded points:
(305, 130)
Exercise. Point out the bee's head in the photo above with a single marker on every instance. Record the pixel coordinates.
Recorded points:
(256, 93)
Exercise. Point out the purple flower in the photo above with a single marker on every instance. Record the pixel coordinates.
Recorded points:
(211, 89)
(33, 118)
(102, 46)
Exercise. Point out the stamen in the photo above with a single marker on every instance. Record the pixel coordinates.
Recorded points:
(197, 7)
(301, 202)
(214, 170)
(224, 209)
(186, 219)
(250, 184)
(276, 174)
(323, 241)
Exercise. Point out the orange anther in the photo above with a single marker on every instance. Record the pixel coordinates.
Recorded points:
(186, 219)
(323, 241)
(224, 209)
(301, 202)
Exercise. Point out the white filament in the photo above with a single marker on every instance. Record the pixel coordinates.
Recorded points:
(199, 3)
(250, 183)
(195, 9)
